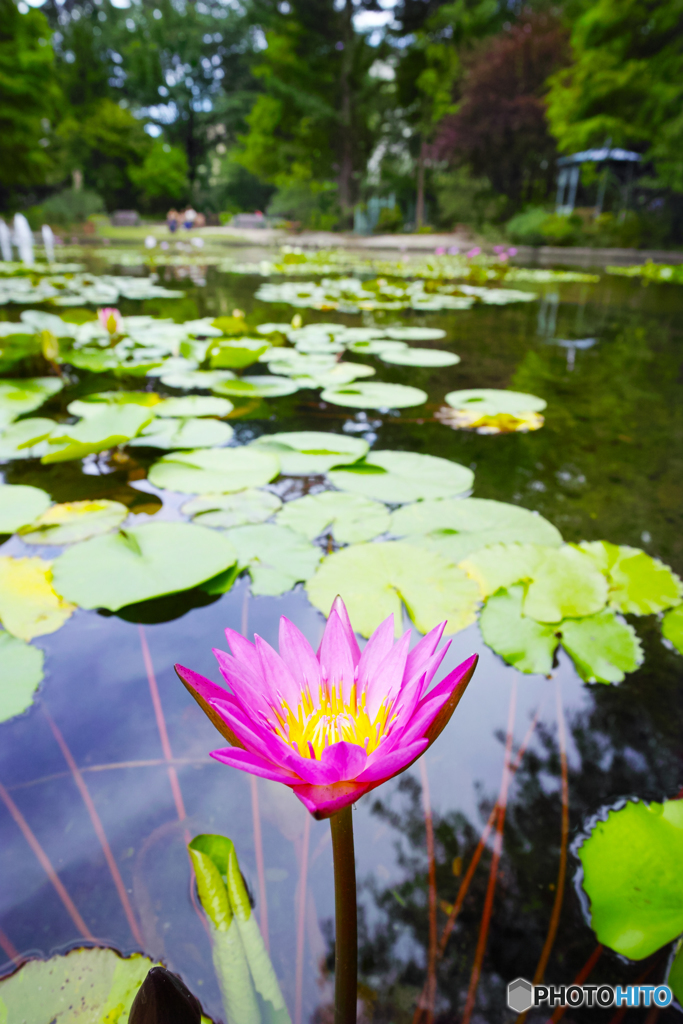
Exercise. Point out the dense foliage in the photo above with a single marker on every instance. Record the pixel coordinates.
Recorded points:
(308, 109)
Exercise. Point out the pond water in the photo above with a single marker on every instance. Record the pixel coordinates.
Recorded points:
(113, 730)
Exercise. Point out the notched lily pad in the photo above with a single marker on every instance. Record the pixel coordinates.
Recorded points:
(227, 510)
(214, 471)
(400, 477)
(638, 583)
(183, 433)
(375, 395)
(310, 452)
(29, 604)
(632, 876)
(603, 647)
(276, 557)
(20, 396)
(419, 357)
(672, 627)
(376, 579)
(528, 645)
(114, 425)
(350, 518)
(488, 410)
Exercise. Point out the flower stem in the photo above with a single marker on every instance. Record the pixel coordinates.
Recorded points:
(346, 946)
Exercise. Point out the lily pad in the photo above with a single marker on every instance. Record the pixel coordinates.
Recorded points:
(456, 527)
(351, 518)
(415, 333)
(26, 439)
(29, 604)
(217, 471)
(83, 987)
(193, 405)
(499, 566)
(93, 405)
(276, 557)
(638, 584)
(195, 380)
(672, 627)
(137, 564)
(114, 425)
(20, 396)
(74, 521)
(228, 510)
(38, 320)
(309, 452)
(374, 581)
(183, 433)
(376, 346)
(419, 357)
(236, 354)
(257, 387)
(632, 875)
(22, 673)
(490, 402)
(519, 640)
(400, 477)
(375, 395)
(273, 328)
(20, 505)
(603, 647)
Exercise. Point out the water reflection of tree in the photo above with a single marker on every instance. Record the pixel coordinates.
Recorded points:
(626, 743)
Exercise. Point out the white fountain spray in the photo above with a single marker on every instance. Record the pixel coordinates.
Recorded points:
(48, 242)
(5, 242)
(23, 239)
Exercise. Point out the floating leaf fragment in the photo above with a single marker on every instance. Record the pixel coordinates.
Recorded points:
(672, 627)
(74, 521)
(29, 604)
(22, 673)
(20, 505)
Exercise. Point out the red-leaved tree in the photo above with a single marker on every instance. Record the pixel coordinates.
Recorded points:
(500, 128)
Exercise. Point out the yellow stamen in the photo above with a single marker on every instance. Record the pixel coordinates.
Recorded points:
(332, 721)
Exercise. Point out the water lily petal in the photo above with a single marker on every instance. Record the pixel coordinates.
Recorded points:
(324, 801)
(344, 759)
(336, 656)
(275, 669)
(250, 690)
(386, 681)
(204, 691)
(375, 651)
(253, 763)
(339, 607)
(385, 767)
(300, 658)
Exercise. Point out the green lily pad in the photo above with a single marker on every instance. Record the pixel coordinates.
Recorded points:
(26, 439)
(257, 387)
(276, 557)
(193, 405)
(134, 565)
(22, 673)
(675, 978)
(74, 521)
(519, 640)
(351, 518)
(420, 357)
(415, 333)
(95, 360)
(228, 510)
(672, 627)
(217, 471)
(457, 527)
(183, 433)
(38, 320)
(603, 647)
(195, 380)
(375, 395)
(490, 402)
(310, 452)
(236, 354)
(499, 566)
(374, 581)
(565, 584)
(273, 328)
(87, 986)
(376, 346)
(92, 405)
(400, 477)
(638, 584)
(29, 604)
(20, 396)
(114, 425)
(337, 375)
(20, 505)
(632, 875)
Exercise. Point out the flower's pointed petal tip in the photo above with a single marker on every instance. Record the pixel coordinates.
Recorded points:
(205, 693)
(458, 681)
(339, 609)
(247, 761)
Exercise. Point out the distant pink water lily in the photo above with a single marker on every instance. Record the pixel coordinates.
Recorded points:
(335, 725)
(110, 318)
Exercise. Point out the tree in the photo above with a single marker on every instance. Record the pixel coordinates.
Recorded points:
(29, 99)
(162, 177)
(500, 128)
(625, 83)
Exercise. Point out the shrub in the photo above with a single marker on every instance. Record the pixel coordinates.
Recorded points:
(71, 206)
(390, 219)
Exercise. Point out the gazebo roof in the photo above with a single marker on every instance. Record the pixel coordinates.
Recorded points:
(598, 156)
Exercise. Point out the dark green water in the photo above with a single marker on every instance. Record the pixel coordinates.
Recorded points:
(607, 464)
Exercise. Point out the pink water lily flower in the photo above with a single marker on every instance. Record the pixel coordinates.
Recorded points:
(110, 318)
(335, 725)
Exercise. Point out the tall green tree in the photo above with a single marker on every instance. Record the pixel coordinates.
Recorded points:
(29, 100)
(625, 82)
